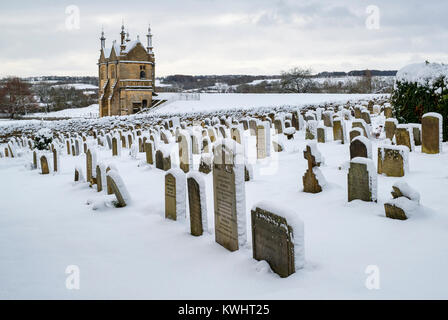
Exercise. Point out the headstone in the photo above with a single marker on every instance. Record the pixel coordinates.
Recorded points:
(360, 147)
(390, 127)
(34, 159)
(313, 180)
(229, 195)
(365, 115)
(404, 136)
(278, 125)
(388, 112)
(114, 146)
(118, 188)
(44, 165)
(311, 130)
(321, 134)
(432, 132)
(356, 132)
(393, 160)
(148, 151)
(206, 163)
(261, 142)
(362, 180)
(405, 201)
(185, 155)
(416, 133)
(197, 204)
(78, 175)
(175, 193)
(55, 160)
(327, 116)
(338, 130)
(277, 239)
(163, 162)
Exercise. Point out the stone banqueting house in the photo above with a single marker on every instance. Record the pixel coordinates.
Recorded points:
(126, 75)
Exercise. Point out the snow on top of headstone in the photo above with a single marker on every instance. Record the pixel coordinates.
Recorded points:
(408, 206)
(120, 185)
(392, 120)
(289, 130)
(315, 152)
(433, 114)
(422, 73)
(293, 220)
(408, 191)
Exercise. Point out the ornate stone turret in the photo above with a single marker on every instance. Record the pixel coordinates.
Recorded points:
(103, 40)
(149, 39)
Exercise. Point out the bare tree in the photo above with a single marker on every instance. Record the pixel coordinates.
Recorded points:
(17, 97)
(297, 80)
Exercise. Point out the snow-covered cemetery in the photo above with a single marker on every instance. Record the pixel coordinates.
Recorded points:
(228, 195)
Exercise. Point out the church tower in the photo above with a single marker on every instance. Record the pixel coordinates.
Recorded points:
(126, 75)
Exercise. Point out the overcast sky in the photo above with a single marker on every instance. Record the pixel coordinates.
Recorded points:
(225, 36)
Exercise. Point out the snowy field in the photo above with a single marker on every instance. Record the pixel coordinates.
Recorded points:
(210, 102)
(91, 111)
(48, 222)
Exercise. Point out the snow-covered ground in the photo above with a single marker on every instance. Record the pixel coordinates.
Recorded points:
(218, 101)
(47, 223)
(91, 111)
(77, 86)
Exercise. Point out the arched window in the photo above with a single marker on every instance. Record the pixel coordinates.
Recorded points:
(142, 74)
(144, 103)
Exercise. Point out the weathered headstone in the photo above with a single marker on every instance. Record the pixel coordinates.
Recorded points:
(197, 204)
(278, 239)
(404, 136)
(148, 151)
(432, 133)
(360, 147)
(390, 127)
(55, 160)
(44, 165)
(321, 134)
(356, 132)
(362, 180)
(229, 195)
(393, 160)
(175, 193)
(163, 159)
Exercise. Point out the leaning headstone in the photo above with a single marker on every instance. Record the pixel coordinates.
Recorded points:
(360, 147)
(313, 180)
(277, 146)
(432, 133)
(118, 188)
(175, 194)
(405, 201)
(197, 204)
(229, 195)
(44, 165)
(393, 160)
(278, 238)
(362, 180)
